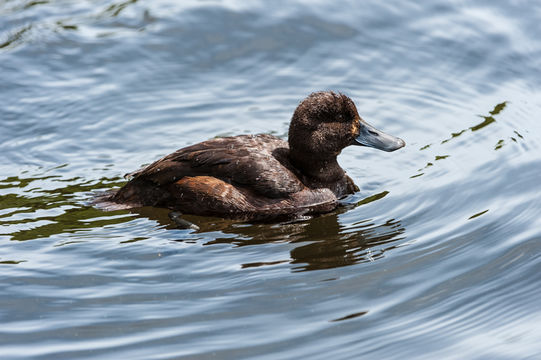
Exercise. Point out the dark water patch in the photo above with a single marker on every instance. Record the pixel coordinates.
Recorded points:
(375, 197)
(478, 214)
(12, 262)
(16, 36)
(351, 316)
(116, 9)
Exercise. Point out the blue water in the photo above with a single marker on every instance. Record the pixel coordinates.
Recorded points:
(437, 256)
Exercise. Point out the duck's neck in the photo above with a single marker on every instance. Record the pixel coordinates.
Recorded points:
(319, 169)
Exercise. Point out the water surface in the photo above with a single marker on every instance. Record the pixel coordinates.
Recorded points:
(437, 256)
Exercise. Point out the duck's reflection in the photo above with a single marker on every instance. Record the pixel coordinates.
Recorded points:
(323, 243)
(331, 246)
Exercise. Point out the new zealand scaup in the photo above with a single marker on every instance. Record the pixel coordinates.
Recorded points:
(262, 177)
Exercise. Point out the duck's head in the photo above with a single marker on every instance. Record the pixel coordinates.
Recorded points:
(326, 122)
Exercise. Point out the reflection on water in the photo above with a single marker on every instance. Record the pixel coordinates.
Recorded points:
(487, 120)
(117, 8)
(51, 24)
(364, 242)
(321, 243)
(43, 206)
(351, 316)
(478, 214)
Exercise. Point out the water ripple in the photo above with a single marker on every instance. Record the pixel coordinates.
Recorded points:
(435, 256)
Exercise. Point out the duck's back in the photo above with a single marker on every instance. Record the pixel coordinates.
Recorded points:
(248, 176)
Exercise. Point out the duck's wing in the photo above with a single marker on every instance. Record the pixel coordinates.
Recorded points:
(207, 195)
(245, 160)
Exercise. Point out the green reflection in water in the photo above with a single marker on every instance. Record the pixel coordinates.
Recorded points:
(34, 32)
(30, 209)
(116, 9)
(12, 262)
(34, 3)
(487, 120)
(66, 26)
(372, 198)
(15, 37)
(478, 214)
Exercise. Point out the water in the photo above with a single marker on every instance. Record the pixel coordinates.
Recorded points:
(437, 256)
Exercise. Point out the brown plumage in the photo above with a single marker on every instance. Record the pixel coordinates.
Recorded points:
(261, 177)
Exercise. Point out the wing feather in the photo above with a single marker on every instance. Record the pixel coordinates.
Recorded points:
(244, 160)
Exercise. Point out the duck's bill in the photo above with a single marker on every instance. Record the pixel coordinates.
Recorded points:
(372, 137)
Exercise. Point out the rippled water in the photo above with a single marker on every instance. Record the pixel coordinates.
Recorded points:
(438, 255)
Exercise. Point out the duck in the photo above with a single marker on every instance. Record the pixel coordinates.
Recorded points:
(262, 177)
